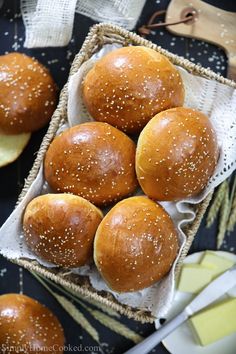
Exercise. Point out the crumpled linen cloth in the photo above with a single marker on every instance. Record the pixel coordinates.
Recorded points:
(50, 23)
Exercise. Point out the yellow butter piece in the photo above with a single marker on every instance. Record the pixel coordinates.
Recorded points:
(216, 263)
(216, 322)
(194, 277)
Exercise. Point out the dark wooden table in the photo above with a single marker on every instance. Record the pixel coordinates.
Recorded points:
(12, 177)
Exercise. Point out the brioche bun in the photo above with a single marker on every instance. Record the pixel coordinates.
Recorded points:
(27, 94)
(129, 85)
(28, 327)
(11, 146)
(176, 154)
(135, 244)
(93, 160)
(60, 228)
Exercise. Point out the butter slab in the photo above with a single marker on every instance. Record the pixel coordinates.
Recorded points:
(216, 322)
(194, 278)
(217, 264)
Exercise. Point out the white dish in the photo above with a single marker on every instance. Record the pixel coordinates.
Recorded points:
(182, 340)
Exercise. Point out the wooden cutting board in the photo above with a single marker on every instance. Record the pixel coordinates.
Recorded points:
(210, 24)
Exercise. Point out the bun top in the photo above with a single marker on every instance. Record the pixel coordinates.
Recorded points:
(135, 244)
(11, 146)
(60, 228)
(129, 85)
(27, 94)
(177, 153)
(93, 160)
(29, 326)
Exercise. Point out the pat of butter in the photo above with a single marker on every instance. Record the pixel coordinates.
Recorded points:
(218, 264)
(194, 277)
(216, 322)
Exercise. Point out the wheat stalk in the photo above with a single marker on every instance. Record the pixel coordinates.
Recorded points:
(217, 202)
(95, 303)
(77, 297)
(232, 216)
(69, 292)
(224, 215)
(71, 310)
(116, 326)
(77, 316)
(106, 320)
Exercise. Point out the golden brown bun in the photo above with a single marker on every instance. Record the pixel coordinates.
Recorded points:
(93, 160)
(28, 326)
(11, 147)
(129, 85)
(27, 94)
(60, 228)
(176, 154)
(135, 244)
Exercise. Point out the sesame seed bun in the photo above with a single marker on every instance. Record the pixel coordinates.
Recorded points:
(60, 228)
(135, 244)
(93, 160)
(129, 85)
(28, 327)
(176, 155)
(27, 94)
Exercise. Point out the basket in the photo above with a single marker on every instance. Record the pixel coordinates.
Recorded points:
(98, 36)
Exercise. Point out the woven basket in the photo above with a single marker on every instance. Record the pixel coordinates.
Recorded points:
(98, 36)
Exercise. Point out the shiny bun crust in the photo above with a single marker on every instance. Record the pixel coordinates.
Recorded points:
(29, 326)
(27, 94)
(60, 228)
(135, 244)
(129, 85)
(176, 154)
(93, 160)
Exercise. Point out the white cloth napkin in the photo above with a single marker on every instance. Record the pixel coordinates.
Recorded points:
(49, 23)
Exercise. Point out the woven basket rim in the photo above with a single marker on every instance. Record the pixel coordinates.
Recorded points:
(99, 35)
(186, 63)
